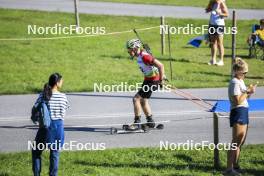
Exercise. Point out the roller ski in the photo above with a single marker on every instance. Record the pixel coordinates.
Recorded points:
(138, 127)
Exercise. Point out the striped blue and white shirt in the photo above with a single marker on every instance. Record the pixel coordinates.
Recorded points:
(58, 104)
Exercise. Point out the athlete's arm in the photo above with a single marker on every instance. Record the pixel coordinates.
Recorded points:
(150, 60)
(160, 66)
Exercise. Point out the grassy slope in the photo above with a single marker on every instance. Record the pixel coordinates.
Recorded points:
(26, 65)
(253, 4)
(135, 162)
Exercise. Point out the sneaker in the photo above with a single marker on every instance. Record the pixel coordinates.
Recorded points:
(231, 172)
(220, 63)
(211, 62)
(150, 122)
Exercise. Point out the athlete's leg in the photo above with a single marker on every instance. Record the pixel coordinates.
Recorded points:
(146, 107)
(137, 106)
(147, 111)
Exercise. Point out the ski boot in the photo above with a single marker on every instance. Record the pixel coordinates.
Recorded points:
(150, 122)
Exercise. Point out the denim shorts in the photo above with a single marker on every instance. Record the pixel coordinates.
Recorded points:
(216, 30)
(239, 115)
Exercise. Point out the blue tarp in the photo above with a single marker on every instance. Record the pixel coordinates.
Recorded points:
(196, 42)
(224, 105)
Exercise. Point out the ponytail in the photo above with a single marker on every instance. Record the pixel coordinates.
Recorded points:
(210, 6)
(240, 65)
(47, 92)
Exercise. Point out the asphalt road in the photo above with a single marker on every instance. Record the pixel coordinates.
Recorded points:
(91, 115)
(123, 9)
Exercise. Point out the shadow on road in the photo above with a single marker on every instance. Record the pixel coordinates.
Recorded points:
(85, 129)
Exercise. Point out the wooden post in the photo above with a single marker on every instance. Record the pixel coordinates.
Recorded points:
(233, 41)
(162, 35)
(216, 141)
(76, 7)
(169, 45)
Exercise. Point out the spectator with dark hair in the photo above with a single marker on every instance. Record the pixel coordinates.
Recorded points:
(219, 11)
(57, 104)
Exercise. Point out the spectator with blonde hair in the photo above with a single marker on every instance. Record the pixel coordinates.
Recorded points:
(238, 94)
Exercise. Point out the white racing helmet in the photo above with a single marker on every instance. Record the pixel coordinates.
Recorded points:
(133, 43)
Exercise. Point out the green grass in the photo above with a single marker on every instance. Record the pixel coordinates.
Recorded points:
(26, 65)
(135, 162)
(253, 4)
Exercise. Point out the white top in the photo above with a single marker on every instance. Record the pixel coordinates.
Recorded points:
(216, 19)
(236, 87)
(144, 60)
(58, 104)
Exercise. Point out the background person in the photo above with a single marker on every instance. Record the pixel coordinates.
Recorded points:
(258, 34)
(153, 71)
(216, 29)
(57, 105)
(238, 95)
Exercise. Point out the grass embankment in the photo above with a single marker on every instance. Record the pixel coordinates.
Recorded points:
(254, 4)
(135, 162)
(26, 65)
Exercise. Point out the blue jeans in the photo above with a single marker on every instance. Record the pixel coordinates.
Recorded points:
(50, 135)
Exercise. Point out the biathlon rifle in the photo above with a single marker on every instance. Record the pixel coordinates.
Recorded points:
(145, 45)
